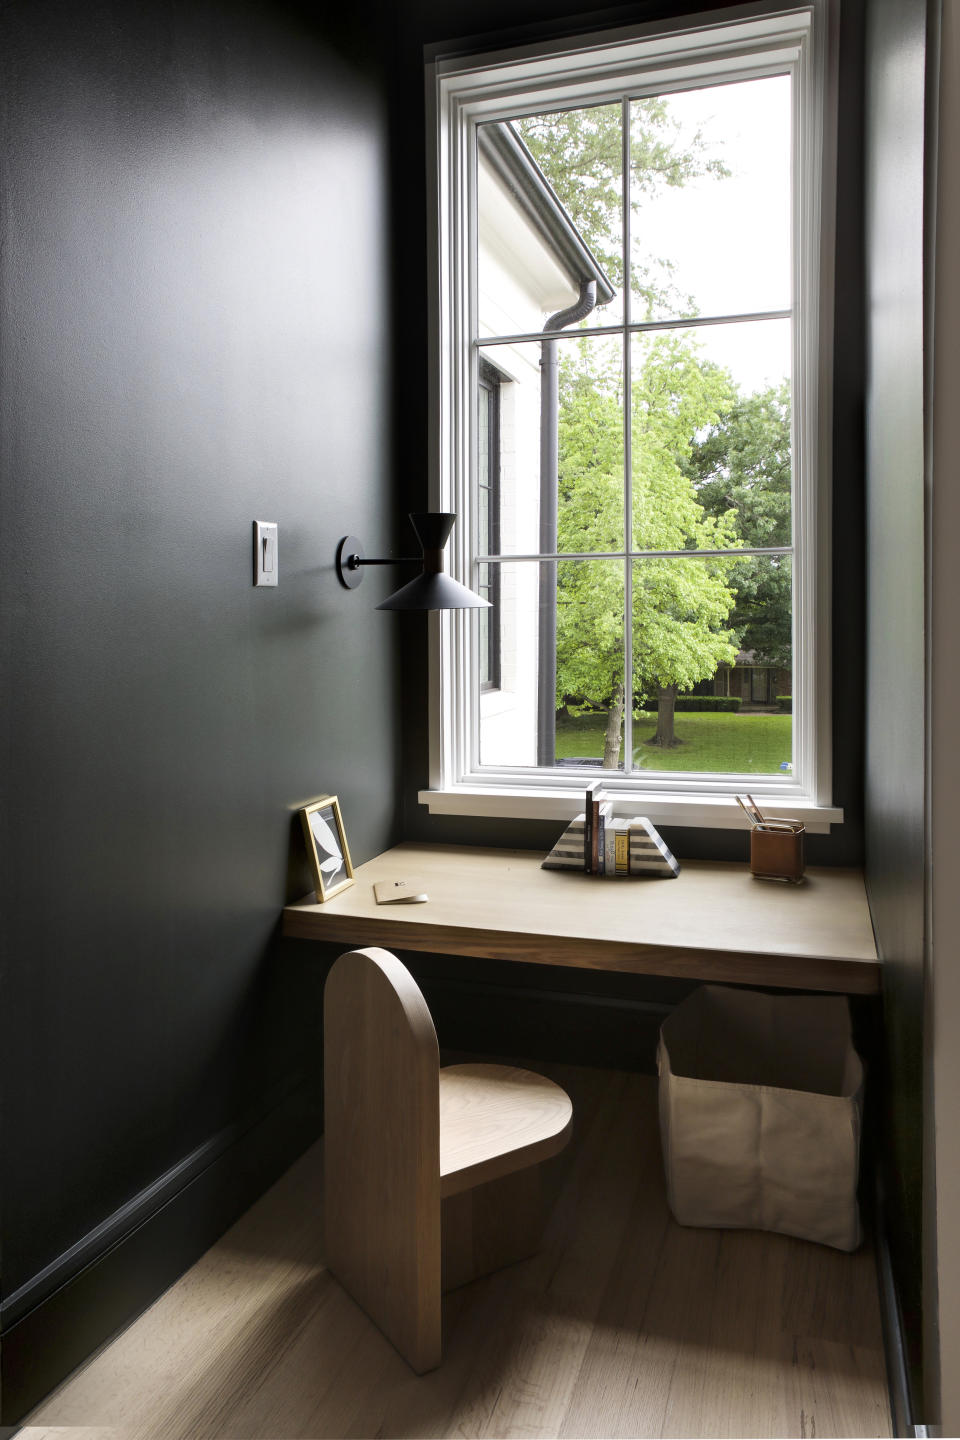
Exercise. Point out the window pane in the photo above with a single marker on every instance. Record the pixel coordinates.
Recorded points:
(484, 457)
(711, 214)
(548, 187)
(488, 514)
(488, 656)
(712, 665)
(556, 710)
(560, 446)
(711, 437)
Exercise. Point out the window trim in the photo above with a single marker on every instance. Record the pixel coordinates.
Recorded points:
(745, 42)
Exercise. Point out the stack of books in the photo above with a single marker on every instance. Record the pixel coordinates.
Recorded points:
(600, 843)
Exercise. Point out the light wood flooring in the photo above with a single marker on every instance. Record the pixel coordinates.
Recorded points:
(625, 1324)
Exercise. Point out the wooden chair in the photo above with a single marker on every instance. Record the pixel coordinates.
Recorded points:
(431, 1174)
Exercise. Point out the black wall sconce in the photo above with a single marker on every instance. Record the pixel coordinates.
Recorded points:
(431, 589)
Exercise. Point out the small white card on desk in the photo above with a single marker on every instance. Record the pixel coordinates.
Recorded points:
(411, 891)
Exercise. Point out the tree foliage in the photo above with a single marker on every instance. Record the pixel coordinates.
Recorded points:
(741, 466)
(681, 608)
(581, 154)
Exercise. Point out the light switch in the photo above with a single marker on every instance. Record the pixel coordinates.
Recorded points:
(264, 552)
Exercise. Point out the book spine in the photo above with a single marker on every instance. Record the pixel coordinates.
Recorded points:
(595, 833)
(622, 852)
(606, 825)
(610, 851)
(591, 832)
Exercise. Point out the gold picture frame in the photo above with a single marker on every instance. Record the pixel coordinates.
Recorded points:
(327, 847)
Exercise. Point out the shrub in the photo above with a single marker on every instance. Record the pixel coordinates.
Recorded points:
(785, 703)
(716, 704)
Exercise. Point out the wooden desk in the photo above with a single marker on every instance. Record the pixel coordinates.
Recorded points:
(714, 922)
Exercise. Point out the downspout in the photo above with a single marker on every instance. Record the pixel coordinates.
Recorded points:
(549, 486)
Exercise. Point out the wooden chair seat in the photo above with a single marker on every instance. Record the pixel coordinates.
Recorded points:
(496, 1119)
(432, 1176)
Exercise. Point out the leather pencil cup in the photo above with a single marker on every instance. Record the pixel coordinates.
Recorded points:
(776, 851)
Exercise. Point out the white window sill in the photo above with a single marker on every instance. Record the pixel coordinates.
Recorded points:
(705, 812)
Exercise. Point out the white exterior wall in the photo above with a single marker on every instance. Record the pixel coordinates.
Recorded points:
(519, 287)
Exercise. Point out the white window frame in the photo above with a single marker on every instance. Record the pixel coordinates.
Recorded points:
(740, 43)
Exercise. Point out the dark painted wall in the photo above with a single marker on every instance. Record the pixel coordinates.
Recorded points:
(195, 325)
(941, 1132)
(895, 122)
(484, 24)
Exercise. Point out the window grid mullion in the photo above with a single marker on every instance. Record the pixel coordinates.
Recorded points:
(637, 327)
(734, 553)
(627, 447)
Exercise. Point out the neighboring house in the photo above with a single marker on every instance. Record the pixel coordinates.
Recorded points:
(754, 680)
(532, 265)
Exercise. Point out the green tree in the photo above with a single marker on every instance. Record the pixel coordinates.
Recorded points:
(680, 607)
(590, 592)
(741, 466)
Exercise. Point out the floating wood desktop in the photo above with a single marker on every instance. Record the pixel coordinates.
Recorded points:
(713, 922)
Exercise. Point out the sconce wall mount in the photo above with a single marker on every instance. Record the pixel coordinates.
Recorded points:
(349, 562)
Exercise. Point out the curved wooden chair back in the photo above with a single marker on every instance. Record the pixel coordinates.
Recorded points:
(382, 1143)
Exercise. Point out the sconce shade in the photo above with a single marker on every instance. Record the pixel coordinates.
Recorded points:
(432, 527)
(432, 589)
(434, 592)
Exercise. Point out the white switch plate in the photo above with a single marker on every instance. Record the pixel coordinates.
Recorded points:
(264, 552)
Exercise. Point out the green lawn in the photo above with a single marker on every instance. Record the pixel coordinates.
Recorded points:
(745, 744)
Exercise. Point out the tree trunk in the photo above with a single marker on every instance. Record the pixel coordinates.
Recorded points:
(665, 735)
(611, 740)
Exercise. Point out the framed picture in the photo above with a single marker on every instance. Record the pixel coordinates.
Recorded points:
(327, 847)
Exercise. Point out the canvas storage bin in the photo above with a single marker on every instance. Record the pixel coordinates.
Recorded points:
(760, 1111)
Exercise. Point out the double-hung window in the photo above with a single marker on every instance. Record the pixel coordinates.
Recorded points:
(631, 399)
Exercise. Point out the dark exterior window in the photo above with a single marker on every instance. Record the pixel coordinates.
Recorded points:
(488, 477)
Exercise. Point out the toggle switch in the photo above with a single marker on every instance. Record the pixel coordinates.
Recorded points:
(264, 552)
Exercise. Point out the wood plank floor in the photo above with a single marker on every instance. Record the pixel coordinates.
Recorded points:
(625, 1324)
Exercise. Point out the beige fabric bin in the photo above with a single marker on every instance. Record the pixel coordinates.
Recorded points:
(760, 1112)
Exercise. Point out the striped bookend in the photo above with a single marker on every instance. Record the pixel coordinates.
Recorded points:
(640, 851)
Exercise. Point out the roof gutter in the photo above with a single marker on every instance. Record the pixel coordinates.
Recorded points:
(510, 160)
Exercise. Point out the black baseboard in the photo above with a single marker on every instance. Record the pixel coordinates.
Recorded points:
(75, 1305)
(903, 1411)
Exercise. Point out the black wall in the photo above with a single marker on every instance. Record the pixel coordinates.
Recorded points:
(895, 718)
(195, 334)
(478, 25)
